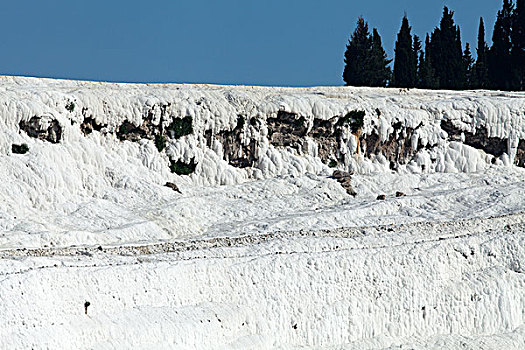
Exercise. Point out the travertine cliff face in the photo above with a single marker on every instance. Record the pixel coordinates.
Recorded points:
(219, 134)
(353, 218)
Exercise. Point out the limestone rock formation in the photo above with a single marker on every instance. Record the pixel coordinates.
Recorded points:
(344, 178)
(43, 128)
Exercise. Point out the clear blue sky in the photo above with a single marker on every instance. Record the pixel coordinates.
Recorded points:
(260, 42)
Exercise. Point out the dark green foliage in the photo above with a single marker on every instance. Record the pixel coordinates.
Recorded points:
(445, 53)
(427, 73)
(70, 107)
(379, 70)
(462, 73)
(125, 128)
(365, 58)
(20, 149)
(518, 46)
(332, 163)
(356, 55)
(422, 71)
(181, 168)
(416, 52)
(480, 73)
(499, 60)
(443, 64)
(180, 127)
(468, 61)
(160, 142)
(355, 119)
(404, 64)
(253, 121)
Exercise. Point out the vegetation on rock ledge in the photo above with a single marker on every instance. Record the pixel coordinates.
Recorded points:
(180, 127)
(180, 168)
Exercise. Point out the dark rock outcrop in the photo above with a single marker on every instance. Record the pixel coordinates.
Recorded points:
(345, 178)
(479, 139)
(327, 140)
(131, 132)
(236, 152)
(397, 149)
(43, 128)
(155, 130)
(287, 130)
(89, 124)
(328, 134)
(172, 186)
(520, 154)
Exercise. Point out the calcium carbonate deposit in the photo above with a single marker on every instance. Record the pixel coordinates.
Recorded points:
(147, 216)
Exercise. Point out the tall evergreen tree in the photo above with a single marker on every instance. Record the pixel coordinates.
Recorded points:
(378, 62)
(421, 68)
(356, 56)
(480, 75)
(366, 62)
(446, 53)
(404, 62)
(416, 51)
(426, 72)
(500, 63)
(468, 62)
(462, 77)
(518, 46)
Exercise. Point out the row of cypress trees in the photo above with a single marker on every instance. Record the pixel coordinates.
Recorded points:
(442, 63)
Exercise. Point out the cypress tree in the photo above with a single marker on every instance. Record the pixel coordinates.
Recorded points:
(426, 71)
(518, 45)
(357, 56)
(404, 63)
(461, 79)
(480, 74)
(416, 52)
(500, 63)
(421, 67)
(378, 64)
(468, 62)
(446, 53)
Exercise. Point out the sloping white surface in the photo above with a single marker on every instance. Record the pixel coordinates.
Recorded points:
(278, 256)
(431, 284)
(96, 189)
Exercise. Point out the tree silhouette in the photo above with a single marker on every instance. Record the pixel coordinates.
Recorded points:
(480, 74)
(500, 64)
(365, 59)
(404, 63)
(446, 54)
(416, 51)
(443, 63)
(468, 62)
(426, 72)
(518, 46)
(378, 67)
(357, 51)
